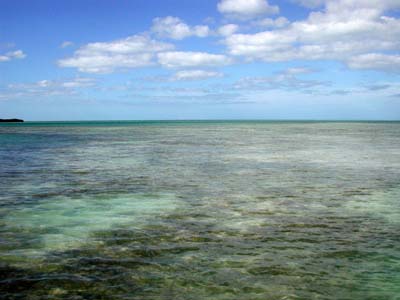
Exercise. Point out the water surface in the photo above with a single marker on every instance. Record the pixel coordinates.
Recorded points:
(200, 210)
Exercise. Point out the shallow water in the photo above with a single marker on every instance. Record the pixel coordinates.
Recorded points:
(200, 210)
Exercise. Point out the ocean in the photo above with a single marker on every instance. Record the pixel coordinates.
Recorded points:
(200, 210)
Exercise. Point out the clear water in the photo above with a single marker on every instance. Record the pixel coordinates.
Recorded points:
(200, 210)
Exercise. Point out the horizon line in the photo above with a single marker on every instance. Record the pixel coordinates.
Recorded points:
(213, 120)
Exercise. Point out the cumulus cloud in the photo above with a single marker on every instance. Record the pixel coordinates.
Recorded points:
(175, 28)
(17, 54)
(228, 29)
(342, 31)
(268, 22)
(131, 52)
(376, 61)
(246, 9)
(180, 59)
(187, 75)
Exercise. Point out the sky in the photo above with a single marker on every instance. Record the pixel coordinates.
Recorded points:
(200, 59)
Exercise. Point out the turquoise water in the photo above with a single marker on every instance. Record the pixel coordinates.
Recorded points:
(200, 210)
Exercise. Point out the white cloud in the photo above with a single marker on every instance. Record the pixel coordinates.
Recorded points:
(66, 44)
(268, 22)
(285, 80)
(17, 54)
(175, 28)
(246, 9)
(48, 88)
(131, 52)
(78, 82)
(228, 29)
(189, 98)
(296, 71)
(195, 75)
(378, 4)
(376, 61)
(344, 29)
(180, 59)
(260, 45)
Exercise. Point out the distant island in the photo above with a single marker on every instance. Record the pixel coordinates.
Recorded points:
(11, 120)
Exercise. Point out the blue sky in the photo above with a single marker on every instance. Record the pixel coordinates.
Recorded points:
(209, 59)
